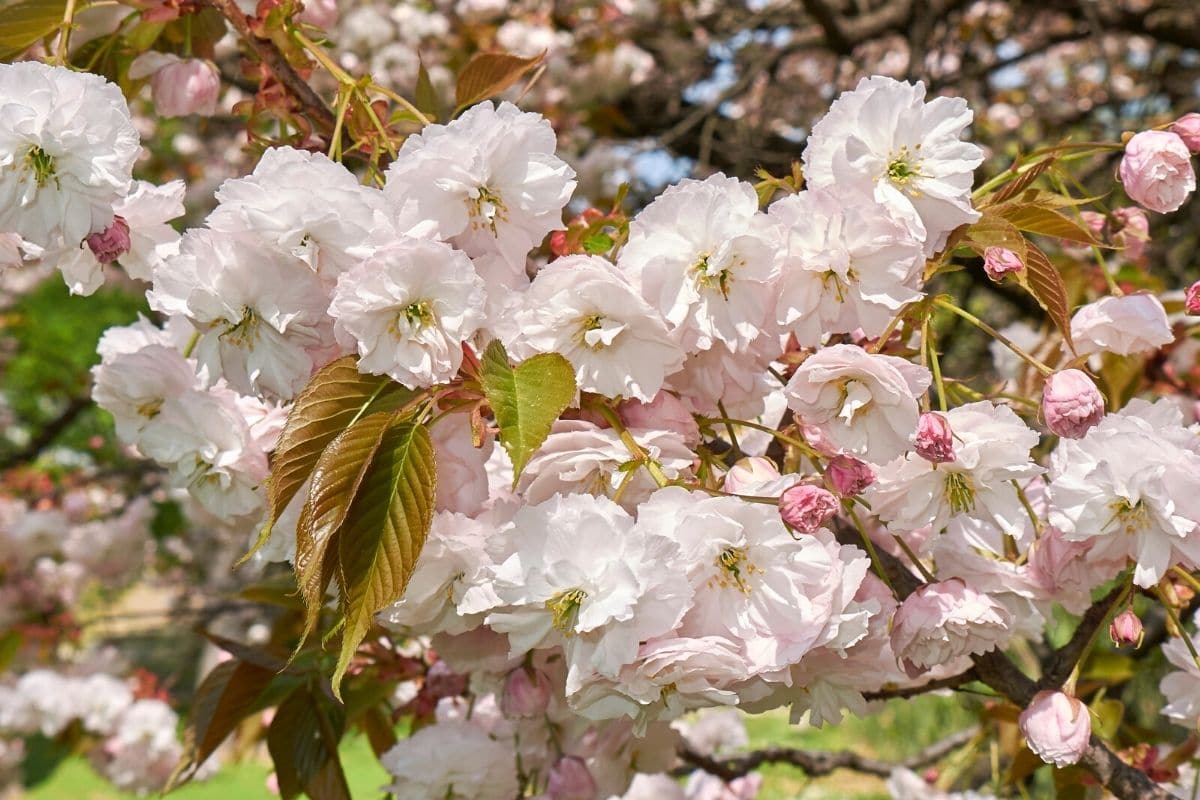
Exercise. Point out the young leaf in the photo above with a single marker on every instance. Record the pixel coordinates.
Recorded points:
(488, 74)
(27, 22)
(1022, 182)
(383, 532)
(993, 230)
(526, 400)
(1043, 281)
(1046, 221)
(225, 697)
(336, 478)
(426, 98)
(336, 396)
(303, 740)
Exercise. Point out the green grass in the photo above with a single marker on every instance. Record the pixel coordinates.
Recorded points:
(76, 780)
(900, 729)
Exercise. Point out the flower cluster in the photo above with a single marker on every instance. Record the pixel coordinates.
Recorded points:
(752, 424)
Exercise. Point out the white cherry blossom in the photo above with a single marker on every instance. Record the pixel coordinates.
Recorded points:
(884, 139)
(583, 308)
(408, 309)
(703, 255)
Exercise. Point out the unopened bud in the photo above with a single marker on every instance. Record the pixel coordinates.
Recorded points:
(1057, 727)
(1193, 299)
(526, 693)
(1126, 628)
(749, 472)
(1071, 403)
(806, 508)
(570, 779)
(848, 476)
(111, 243)
(1187, 128)
(1000, 261)
(934, 440)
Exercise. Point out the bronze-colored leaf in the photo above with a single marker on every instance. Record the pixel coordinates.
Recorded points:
(335, 397)
(1039, 219)
(993, 230)
(383, 532)
(1044, 282)
(1022, 182)
(303, 741)
(488, 74)
(335, 482)
(225, 697)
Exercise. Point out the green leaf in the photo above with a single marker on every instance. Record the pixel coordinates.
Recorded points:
(383, 532)
(1045, 221)
(303, 740)
(1106, 716)
(27, 22)
(598, 243)
(335, 481)
(225, 697)
(1042, 279)
(426, 98)
(488, 74)
(335, 397)
(526, 400)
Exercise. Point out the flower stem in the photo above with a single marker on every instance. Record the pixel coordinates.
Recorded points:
(995, 334)
(635, 449)
(870, 545)
(733, 440)
(1174, 616)
(62, 52)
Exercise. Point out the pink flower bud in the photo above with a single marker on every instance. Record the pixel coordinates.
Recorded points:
(848, 476)
(934, 440)
(999, 261)
(749, 472)
(526, 693)
(1193, 299)
(1071, 403)
(571, 780)
(1134, 232)
(179, 86)
(1126, 628)
(806, 508)
(1156, 171)
(1056, 727)
(111, 243)
(1187, 128)
(319, 13)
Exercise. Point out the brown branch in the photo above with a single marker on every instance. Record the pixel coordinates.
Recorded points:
(997, 671)
(820, 762)
(312, 104)
(46, 436)
(1066, 657)
(952, 682)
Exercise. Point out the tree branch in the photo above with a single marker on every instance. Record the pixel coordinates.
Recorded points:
(1066, 657)
(952, 682)
(820, 762)
(312, 104)
(997, 671)
(46, 436)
